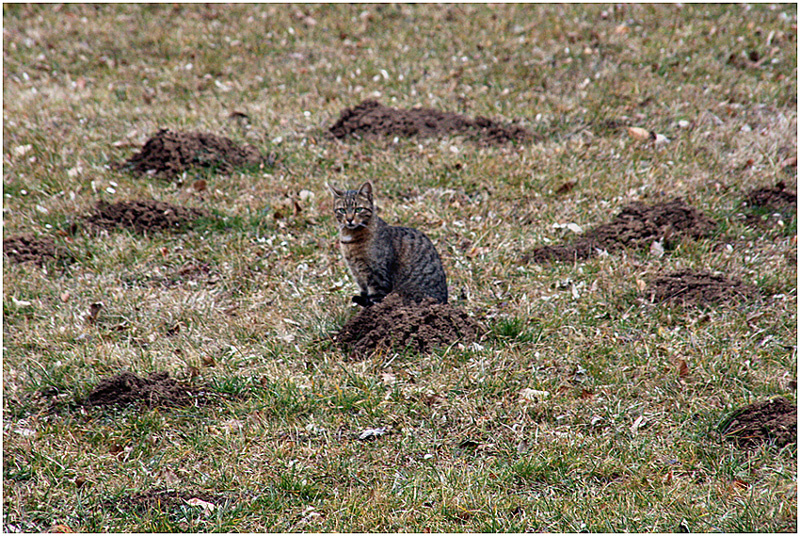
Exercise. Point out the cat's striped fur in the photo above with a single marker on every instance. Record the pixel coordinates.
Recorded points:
(384, 258)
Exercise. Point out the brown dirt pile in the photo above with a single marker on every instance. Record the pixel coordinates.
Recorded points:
(29, 248)
(372, 119)
(690, 288)
(637, 226)
(169, 153)
(162, 500)
(157, 390)
(777, 200)
(400, 324)
(773, 421)
(144, 215)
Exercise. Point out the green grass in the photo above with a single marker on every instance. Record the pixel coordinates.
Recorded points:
(277, 447)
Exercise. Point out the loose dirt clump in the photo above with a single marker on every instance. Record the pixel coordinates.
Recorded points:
(765, 203)
(689, 288)
(169, 153)
(637, 226)
(39, 250)
(773, 421)
(372, 119)
(144, 215)
(157, 390)
(403, 324)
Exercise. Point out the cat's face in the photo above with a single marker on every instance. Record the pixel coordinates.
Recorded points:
(353, 208)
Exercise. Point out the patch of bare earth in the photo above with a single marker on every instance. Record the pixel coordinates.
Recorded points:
(404, 324)
(144, 215)
(168, 153)
(157, 390)
(637, 226)
(690, 288)
(770, 205)
(372, 119)
(30, 248)
(773, 421)
(164, 500)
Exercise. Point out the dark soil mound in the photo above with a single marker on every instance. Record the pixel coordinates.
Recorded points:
(29, 248)
(157, 390)
(170, 153)
(398, 323)
(687, 287)
(372, 119)
(765, 202)
(636, 227)
(773, 421)
(162, 500)
(144, 215)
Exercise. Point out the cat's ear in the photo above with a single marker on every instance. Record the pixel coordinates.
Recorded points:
(334, 190)
(366, 189)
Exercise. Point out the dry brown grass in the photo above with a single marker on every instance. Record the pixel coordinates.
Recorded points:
(624, 441)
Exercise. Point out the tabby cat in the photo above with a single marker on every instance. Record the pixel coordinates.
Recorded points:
(384, 258)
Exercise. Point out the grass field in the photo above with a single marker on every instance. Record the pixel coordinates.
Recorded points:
(627, 438)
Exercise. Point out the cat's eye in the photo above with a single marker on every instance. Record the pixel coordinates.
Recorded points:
(359, 210)
(340, 211)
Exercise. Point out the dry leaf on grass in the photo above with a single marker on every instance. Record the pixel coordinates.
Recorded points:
(640, 134)
(208, 508)
(533, 395)
(371, 434)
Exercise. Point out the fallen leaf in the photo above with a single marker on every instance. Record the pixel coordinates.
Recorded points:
(683, 368)
(94, 311)
(641, 285)
(533, 395)
(566, 187)
(740, 484)
(208, 361)
(656, 249)
(64, 296)
(24, 432)
(640, 134)
(434, 400)
(638, 423)
(388, 378)
(575, 293)
(20, 303)
(575, 228)
(20, 150)
(208, 508)
(124, 143)
(200, 185)
(370, 434)
(659, 139)
(60, 528)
